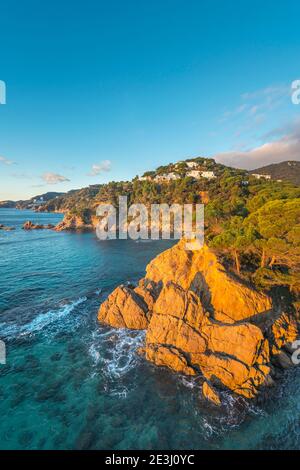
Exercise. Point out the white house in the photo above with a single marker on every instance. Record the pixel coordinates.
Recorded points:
(167, 177)
(194, 174)
(208, 174)
(258, 176)
(188, 164)
(192, 164)
(145, 178)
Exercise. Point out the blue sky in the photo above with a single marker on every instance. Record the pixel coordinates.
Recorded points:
(104, 90)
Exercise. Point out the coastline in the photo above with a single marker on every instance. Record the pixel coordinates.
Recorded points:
(82, 368)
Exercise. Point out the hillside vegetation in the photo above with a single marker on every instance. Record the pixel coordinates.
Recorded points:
(253, 224)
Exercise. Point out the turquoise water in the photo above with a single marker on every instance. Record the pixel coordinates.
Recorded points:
(70, 383)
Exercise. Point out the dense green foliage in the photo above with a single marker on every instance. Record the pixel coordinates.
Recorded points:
(259, 230)
(254, 224)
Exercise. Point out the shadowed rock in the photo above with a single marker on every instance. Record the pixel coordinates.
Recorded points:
(124, 308)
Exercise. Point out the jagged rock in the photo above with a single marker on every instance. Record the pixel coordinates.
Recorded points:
(31, 226)
(73, 222)
(200, 271)
(124, 308)
(201, 320)
(269, 382)
(283, 360)
(169, 357)
(185, 305)
(230, 372)
(284, 331)
(170, 331)
(210, 394)
(243, 341)
(148, 291)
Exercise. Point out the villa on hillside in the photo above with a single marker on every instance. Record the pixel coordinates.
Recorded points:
(166, 177)
(208, 174)
(258, 176)
(192, 164)
(172, 176)
(188, 164)
(201, 174)
(145, 178)
(194, 174)
(37, 202)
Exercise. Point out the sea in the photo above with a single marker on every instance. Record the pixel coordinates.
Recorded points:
(72, 383)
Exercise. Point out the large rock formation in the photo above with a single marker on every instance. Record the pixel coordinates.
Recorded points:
(73, 222)
(200, 320)
(124, 309)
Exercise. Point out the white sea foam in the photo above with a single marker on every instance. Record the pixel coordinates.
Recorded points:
(40, 322)
(116, 351)
(94, 354)
(188, 381)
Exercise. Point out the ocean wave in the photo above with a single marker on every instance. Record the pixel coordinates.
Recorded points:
(116, 350)
(41, 321)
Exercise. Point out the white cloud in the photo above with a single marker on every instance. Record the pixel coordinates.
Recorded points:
(285, 147)
(258, 102)
(53, 178)
(98, 168)
(6, 161)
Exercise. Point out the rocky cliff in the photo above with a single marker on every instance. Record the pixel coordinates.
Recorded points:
(200, 320)
(76, 222)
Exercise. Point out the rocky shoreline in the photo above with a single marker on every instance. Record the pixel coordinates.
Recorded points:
(76, 223)
(202, 321)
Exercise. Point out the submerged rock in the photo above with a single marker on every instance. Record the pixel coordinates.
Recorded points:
(200, 320)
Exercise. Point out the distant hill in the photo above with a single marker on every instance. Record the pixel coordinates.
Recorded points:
(289, 171)
(34, 202)
(7, 204)
(37, 201)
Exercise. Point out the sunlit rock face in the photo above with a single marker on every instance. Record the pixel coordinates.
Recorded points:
(200, 320)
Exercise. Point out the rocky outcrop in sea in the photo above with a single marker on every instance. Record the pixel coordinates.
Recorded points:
(202, 321)
(6, 228)
(32, 226)
(72, 222)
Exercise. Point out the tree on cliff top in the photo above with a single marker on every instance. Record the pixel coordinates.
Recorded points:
(235, 239)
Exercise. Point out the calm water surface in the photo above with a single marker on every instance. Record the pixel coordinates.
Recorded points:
(70, 383)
